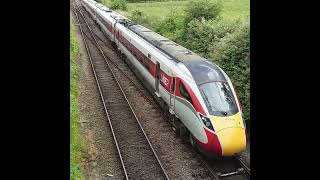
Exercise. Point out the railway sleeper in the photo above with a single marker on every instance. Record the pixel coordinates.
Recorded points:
(237, 172)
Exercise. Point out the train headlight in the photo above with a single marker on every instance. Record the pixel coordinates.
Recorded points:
(206, 121)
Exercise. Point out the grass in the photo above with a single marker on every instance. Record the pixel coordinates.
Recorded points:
(231, 8)
(76, 146)
(159, 10)
(236, 8)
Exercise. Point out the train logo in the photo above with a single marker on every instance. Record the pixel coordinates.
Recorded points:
(165, 80)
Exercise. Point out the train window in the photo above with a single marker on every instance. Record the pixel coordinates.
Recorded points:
(184, 92)
(218, 98)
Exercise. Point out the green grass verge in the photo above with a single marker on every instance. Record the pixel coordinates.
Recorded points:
(158, 10)
(235, 9)
(76, 146)
(231, 8)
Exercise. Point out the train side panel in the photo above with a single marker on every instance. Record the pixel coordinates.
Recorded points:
(103, 18)
(145, 60)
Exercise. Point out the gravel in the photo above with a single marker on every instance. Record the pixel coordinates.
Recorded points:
(101, 159)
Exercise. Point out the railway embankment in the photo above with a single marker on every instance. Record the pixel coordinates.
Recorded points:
(77, 143)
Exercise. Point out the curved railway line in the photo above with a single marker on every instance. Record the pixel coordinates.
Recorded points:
(136, 153)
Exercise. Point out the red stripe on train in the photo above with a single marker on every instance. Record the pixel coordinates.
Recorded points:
(195, 100)
(213, 144)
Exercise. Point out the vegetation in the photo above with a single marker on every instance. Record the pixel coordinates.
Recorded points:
(202, 9)
(140, 1)
(76, 169)
(155, 10)
(232, 54)
(119, 4)
(230, 9)
(215, 29)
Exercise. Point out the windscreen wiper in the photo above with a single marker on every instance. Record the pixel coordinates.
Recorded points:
(210, 106)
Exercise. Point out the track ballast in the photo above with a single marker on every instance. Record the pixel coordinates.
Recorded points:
(136, 153)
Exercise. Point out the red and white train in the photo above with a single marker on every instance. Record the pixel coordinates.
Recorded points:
(198, 93)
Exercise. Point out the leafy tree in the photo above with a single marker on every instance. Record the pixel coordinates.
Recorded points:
(199, 34)
(119, 4)
(199, 9)
(172, 26)
(232, 54)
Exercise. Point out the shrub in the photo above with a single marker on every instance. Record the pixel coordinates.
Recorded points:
(143, 19)
(172, 26)
(232, 54)
(119, 4)
(200, 9)
(199, 34)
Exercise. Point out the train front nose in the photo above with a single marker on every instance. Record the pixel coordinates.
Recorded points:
(232, 140)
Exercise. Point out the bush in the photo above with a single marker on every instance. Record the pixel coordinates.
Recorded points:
(119, 4)
(140, 18)
(200, 9)
(172, 26)
(232, 54)
(199, 34)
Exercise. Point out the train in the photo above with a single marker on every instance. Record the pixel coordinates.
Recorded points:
(198, 93)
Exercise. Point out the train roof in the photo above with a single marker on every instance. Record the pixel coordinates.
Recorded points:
(177, 52)
(204, 71)
(201, 70)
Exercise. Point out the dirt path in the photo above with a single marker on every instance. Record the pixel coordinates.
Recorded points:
(101, 159)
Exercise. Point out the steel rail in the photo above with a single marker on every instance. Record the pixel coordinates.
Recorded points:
(115, 64)
(245, 167)
(101, 96)
(211, 173)
(115, 78)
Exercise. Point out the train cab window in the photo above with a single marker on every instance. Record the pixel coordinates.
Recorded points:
(218, 98)
(184, 92)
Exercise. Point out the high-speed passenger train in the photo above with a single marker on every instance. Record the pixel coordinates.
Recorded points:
(198, 93)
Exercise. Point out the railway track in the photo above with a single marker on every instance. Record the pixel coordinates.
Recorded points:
(137, 156)
(232, 168)
(227, 168)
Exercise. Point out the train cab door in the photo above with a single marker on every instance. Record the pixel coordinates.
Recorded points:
(115, 34)
(157, 81)
(172, 96)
